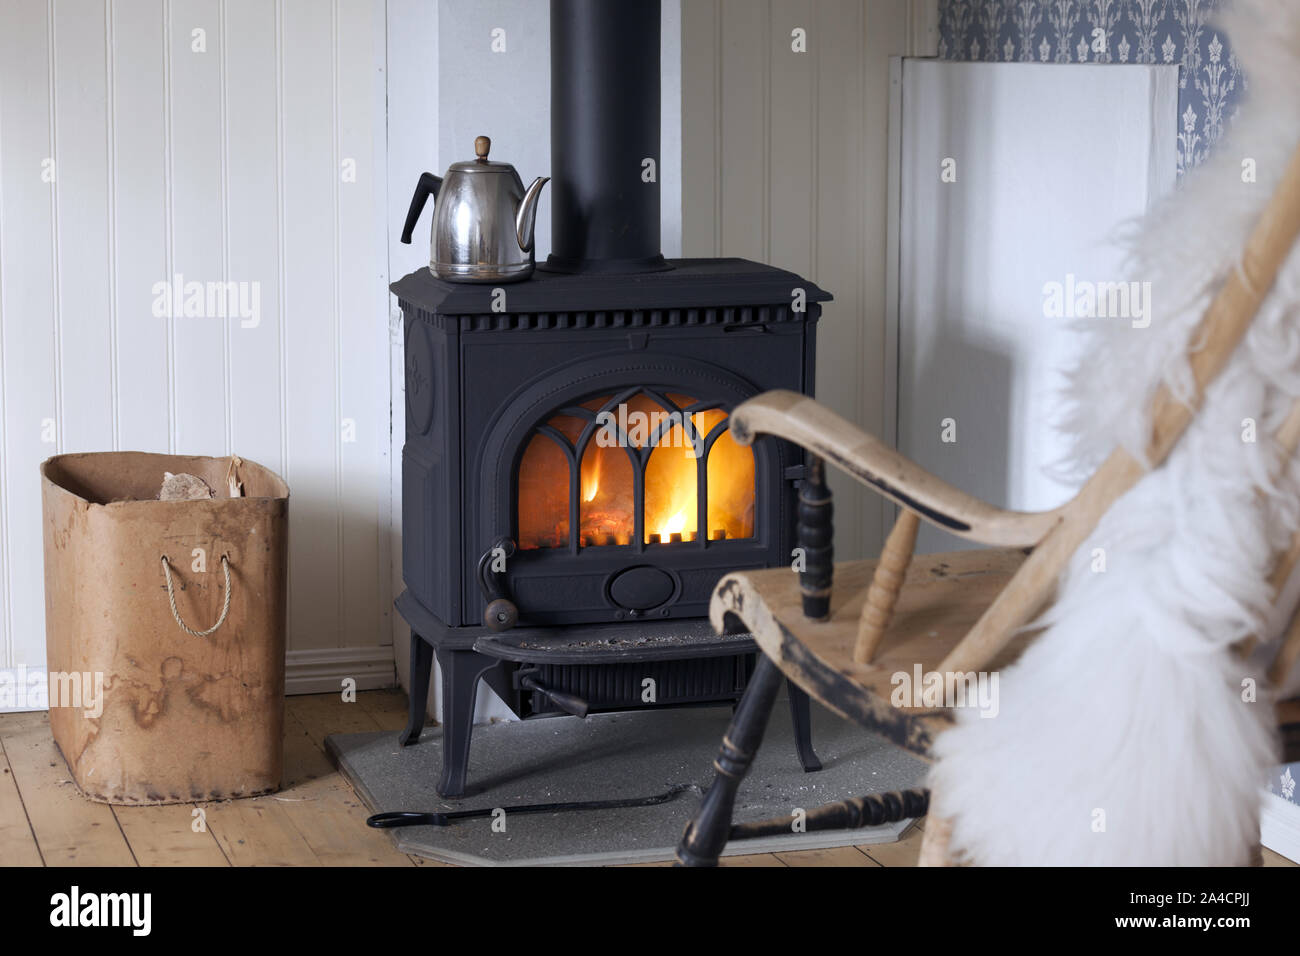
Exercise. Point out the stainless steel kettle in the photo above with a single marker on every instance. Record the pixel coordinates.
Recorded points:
(482, 220)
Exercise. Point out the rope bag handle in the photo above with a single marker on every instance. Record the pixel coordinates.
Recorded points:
(171, 599)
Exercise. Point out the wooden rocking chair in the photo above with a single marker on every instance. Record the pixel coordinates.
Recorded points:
(948, 613)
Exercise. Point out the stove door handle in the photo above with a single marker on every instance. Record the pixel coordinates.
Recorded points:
(501, 614)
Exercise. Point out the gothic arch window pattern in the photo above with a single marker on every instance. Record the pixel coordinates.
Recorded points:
(641, 467)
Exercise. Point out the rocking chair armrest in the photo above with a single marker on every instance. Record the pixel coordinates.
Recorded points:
(813, 426)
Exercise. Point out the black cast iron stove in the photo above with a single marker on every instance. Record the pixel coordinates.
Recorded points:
(571, 494)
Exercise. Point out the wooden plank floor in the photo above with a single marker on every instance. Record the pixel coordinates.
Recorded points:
(316, 820)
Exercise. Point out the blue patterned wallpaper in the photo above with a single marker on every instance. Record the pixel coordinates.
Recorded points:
(1111, 31)
(1283, 782)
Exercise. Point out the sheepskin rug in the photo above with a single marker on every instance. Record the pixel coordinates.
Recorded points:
(1131, 732)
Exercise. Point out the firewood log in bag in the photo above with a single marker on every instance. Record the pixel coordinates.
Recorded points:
(165, 626)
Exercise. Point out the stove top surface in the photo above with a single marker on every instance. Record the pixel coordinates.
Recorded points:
(691, 283)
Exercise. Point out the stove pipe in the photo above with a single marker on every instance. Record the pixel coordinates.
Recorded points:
(605, 81)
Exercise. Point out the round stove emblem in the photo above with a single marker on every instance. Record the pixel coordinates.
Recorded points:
(641, 588)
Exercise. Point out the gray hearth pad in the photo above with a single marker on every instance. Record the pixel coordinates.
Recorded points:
(614, 756)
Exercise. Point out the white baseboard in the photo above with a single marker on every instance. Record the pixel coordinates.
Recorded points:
(319, 671)
(1279, 826)
(323, 671)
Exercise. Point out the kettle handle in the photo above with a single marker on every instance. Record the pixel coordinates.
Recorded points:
(428, 185)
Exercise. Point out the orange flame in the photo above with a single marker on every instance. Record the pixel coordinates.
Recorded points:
(590, 478)
(607, 504)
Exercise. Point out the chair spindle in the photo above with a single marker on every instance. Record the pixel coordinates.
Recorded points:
(815, 534)
(886, 585)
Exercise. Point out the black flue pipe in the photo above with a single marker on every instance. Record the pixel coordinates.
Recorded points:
(605, 80)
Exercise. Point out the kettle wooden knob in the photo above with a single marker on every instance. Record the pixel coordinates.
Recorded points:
(482, 145)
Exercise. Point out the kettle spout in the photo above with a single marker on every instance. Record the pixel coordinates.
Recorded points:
(527, 215)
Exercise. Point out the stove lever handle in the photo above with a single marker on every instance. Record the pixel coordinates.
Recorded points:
(501, 614)
(569, 703)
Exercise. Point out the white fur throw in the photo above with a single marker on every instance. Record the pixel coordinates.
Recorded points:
(1122, 735)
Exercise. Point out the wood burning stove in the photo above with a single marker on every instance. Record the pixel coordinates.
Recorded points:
(571, 493)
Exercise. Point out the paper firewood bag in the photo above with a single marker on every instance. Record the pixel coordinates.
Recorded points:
(166, 685)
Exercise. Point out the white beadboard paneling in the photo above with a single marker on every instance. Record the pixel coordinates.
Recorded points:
(413, 97)
(253, 228)
(139, 193)
(670, 129)
(377, 323)
(745, 115)
(311, 319)
(216, 157)
(842, 362)
(886, 29)
(894, 221)
(701, 128)
(502, 95)
(792, 138)
(195, 118)
(412, 93)
(785, 158)
(85, 283)
(29, 309)
(363, 351)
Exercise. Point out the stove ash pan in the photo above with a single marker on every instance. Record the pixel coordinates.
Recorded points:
(569, 461)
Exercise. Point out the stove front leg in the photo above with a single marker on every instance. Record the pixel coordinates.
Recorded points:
(421, 668)
(462, 669)
(707, 833)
